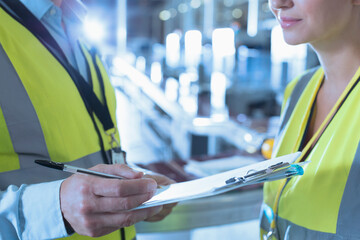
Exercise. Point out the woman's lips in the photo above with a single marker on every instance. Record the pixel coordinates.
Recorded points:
(288, 22)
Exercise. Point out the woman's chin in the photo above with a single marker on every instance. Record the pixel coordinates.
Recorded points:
(293, 40)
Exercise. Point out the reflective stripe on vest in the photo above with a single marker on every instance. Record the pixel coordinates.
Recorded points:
(293, 99)
(26, 135)
(299, 88)
(42, 114)
(22, 123)
(333, 181)
(38, 174)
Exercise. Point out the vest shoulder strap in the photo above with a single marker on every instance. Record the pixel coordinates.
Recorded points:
(295, 95)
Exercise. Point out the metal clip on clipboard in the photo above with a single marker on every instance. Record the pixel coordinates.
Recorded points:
(274, 172)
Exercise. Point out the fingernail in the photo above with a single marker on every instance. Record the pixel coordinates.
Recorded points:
(137, 174)
(157, 209)
(151, 187)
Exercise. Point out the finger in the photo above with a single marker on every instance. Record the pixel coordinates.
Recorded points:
(171, 205)
(160, 179)
(119, 170)
(113, 204)
(160, 216)
(125, 219)
(122, 188)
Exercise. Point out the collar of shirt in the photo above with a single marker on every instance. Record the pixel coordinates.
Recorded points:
(72, 9)
(69, 15)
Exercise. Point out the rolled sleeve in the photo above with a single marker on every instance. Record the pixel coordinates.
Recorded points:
(39, 212)
(31, 212)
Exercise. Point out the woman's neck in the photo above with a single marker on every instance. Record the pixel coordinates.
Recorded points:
(340, 63)
(339, 55)
(339, 66)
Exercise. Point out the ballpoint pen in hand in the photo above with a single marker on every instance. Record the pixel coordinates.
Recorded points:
(72, 169)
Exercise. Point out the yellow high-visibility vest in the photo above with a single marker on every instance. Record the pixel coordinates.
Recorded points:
(324, 202)
(42, 115)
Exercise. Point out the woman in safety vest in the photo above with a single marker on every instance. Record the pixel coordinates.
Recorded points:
(321, 118)
(57, 103)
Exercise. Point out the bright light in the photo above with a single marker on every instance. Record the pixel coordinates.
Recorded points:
(219, 117)
(189, 104)
(183, 8)
(237, 13)
(130, 58)
(248, 137)
(186, 100)
(193, 47)
(193, 75)
(117, 66)
(281, 51)
(223, 40)
(195, 3)
(218, 90)
(173, 49)
(94, 30)
(201, 122)
(185, 81)
(223, 45)
(121, 36)
(156, 72)
(140, 64)
(171, 89)
(173, 12)
(117, 62)
(165, 15)
(252, 27)
(250, 149)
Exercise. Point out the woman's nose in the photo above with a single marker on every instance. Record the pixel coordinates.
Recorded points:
(280, 4)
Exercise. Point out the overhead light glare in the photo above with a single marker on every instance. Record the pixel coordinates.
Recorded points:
(183, 8)
(165, 15)
(195, 3)
(237, 13)
(94, 30)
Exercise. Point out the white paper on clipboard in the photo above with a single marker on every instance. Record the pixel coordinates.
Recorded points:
(216, 184)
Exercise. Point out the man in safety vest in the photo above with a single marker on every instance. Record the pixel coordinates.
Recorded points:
(57, 103)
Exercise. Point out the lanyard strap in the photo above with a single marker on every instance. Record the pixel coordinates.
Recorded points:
(308, 148)
(313, 141)
(94, 56)
(91, 101)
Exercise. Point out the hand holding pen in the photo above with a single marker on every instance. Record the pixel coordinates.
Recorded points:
(95, 206)
(160, 179)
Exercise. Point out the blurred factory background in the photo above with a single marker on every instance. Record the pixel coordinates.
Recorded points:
(196, 80)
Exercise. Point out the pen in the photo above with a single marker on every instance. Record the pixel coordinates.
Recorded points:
(72, 169)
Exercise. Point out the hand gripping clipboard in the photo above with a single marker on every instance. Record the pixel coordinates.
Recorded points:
(269, 170)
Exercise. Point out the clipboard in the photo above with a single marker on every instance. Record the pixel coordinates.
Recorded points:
(268, 170)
